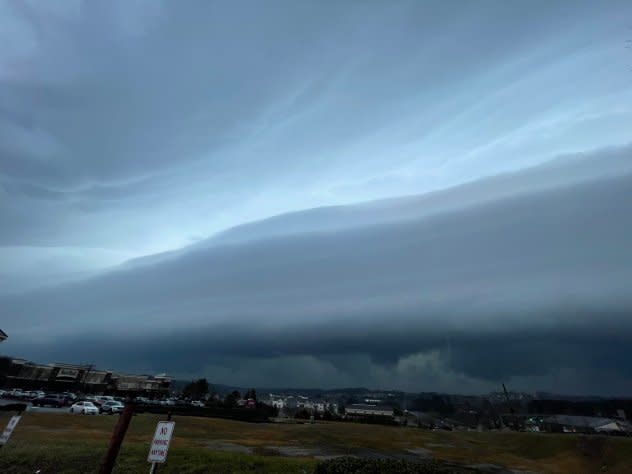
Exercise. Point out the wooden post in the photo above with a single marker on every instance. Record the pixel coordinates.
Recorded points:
(117, 439)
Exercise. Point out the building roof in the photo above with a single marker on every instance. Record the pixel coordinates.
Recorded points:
(594, 422)
(612, 426)
(61, 365)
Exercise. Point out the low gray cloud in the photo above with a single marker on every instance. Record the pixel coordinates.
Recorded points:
(522, 286)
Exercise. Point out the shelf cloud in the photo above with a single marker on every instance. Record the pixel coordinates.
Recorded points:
(517, 286)
(418, 195)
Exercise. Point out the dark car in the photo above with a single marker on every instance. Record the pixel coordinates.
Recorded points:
(57, 401)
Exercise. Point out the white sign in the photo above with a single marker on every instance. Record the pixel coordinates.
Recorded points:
(160, 444)
(9, 429)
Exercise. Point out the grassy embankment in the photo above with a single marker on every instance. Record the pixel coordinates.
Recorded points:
(56, 443)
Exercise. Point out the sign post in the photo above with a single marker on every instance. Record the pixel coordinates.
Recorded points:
(160, 444)
(117, 439)
(9, 429)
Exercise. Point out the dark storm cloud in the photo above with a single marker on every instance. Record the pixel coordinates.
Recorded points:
(520, 286)
(498, 353)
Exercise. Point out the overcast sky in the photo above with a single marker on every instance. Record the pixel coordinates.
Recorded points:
(416, 195)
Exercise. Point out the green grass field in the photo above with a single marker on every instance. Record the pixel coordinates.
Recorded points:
(54, 443)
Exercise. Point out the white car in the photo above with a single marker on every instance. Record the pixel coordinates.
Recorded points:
(84, 408)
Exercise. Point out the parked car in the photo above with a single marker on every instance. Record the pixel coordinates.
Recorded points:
(52, 400)
(84, 408)
(197, 403)
(104, 399)
(32, 394)
(16, 393)
(112, 407)
(94, 400)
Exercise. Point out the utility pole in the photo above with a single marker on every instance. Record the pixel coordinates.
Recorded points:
(85, 377)
(513, 415)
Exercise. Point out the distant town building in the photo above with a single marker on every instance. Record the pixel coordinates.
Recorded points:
(276, 401)
(363, 410)
(585, 424)
(291, 403)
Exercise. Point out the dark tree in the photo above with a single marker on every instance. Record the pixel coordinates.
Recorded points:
(303, 414)
(196, 389)
(231, 399)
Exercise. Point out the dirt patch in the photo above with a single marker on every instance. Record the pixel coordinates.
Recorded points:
(593, 447)
(440, 445)
(293, 451)
(329, 457)
(230, 447)
(421, 452)
(489, 468)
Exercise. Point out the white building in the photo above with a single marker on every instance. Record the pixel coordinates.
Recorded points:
(362, 409)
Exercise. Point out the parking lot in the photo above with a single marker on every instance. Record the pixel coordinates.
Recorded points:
(38, 402)
(32, 408)
(35, 408)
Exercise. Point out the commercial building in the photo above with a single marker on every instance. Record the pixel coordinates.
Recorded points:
(57, 377)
